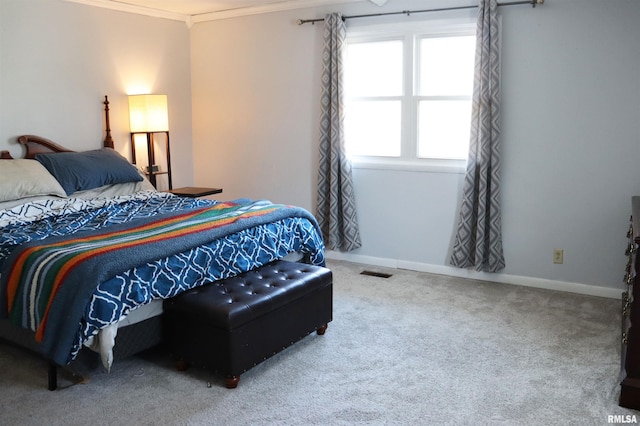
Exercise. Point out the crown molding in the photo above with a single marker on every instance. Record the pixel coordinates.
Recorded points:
(190, 20)
(267, 8)
(122, 7)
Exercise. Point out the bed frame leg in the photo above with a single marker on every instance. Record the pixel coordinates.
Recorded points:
(53, 376)
(231, 382)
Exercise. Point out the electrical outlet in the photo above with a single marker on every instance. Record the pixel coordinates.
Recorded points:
(558, 256)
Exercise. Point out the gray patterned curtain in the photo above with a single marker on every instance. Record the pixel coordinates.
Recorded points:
(479, 234)
(336, 201)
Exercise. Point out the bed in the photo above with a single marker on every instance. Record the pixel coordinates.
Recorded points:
(89, 249)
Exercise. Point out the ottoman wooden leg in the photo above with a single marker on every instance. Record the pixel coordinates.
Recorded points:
(231, 382)
(322, 329)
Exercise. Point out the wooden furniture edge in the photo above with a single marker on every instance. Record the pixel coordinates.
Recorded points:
(630, 382)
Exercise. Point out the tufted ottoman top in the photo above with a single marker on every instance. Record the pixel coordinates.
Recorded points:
(234, 301)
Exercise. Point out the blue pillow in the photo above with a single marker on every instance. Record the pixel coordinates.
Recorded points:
(78, 171)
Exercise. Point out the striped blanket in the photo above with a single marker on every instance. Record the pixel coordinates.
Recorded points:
(49, 283)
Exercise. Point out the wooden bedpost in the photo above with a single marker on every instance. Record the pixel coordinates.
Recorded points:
(108, 141)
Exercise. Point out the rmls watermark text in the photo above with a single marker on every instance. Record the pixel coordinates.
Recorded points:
(622, 418)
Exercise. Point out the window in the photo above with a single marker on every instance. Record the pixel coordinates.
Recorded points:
(408, 94)
(373, 83)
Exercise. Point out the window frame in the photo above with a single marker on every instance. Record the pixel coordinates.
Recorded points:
(410, 33)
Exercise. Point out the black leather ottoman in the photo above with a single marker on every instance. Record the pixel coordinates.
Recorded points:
(233, 324)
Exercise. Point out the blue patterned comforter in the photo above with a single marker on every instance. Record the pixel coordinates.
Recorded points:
(162, 278)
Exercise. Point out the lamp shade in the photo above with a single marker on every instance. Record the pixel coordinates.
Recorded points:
(148, 113)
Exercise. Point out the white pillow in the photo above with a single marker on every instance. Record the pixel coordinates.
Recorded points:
(24, 178)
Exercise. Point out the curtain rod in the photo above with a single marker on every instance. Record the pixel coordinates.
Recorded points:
(533, 3)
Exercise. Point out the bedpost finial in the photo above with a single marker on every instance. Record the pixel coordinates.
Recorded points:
(108, 140)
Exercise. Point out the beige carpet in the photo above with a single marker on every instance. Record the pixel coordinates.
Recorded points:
(411, 349)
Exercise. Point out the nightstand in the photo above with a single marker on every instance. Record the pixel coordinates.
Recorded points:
(194, 192)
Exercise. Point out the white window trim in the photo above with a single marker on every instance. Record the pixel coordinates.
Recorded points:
(426, 165)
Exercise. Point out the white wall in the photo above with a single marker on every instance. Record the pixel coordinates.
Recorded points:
(571, 136)
(58, 59)
(255, 107)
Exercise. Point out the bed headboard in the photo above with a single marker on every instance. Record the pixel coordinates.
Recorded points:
(39, 145)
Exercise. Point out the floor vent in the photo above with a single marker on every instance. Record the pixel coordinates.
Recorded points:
(376, 274)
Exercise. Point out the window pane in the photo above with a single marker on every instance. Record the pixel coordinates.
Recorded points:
(443, 129)
(446, 66)
(373, 128)
(374, 69)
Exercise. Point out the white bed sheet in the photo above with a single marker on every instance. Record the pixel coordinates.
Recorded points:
(105, 340)
(102, 192)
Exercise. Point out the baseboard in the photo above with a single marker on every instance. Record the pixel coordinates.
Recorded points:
(591, 290)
